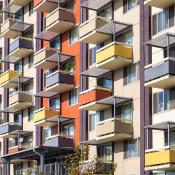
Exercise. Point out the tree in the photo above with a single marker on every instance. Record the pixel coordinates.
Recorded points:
(76, 164)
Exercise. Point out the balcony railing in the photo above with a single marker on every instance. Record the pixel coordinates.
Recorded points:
(113, 56)
(59, 141)
(89, 33)
(106, 166)
(43, 58)
(162, 159)
(41, 115)
(12, 28)
(114, 129)
(20, 2)
(161, 75)
(19, 101)
(60, 20)
(9, 127)
(21, 47)
(159, 3)
(89, 98)
(6, 77)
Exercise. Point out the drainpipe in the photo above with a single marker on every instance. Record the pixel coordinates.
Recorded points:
(41, 159)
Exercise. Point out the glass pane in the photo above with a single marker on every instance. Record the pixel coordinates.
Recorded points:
(160, 25)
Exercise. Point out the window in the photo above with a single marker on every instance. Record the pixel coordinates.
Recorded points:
(67, 129)
(69, 5)
(131, 74)
(31, 8)
(13, 142)
(106, 12)
(126, 38)
(105, 152)
(73, 35)
(163, 20)
(105, 81)
(94, 119)
(172, 138)
(73, 97)
(18, 118)
(126, 112)
(129, 4)
(18, 67)
(55, 43)
(20, 15)
(54, 103)
(164, 100)
(0, 54)
(28, 87)
(30, 114)
(30, 59)
(132, 148)
(92, 56)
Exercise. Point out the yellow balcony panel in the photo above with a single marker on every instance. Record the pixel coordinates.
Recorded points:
(60, 20)
(41, 115)
(159, 3)
(89, 33)
(20, 2)
(160, 160)
(113, 130)
(6, 31)
(114, 56)
(6, 77)
(41, 59)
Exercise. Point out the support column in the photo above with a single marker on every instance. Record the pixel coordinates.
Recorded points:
(42, 162)
(8, 167)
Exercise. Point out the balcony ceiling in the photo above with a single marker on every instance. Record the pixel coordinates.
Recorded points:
(161, 126)
(159, 3)
(95, 5)
(46, 35)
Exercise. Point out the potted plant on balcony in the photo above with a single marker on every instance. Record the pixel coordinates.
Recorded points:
(69, 66)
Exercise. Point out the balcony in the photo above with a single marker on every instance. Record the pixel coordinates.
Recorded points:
(42, 115)
(46, 6)
(9, 127)
(159, 3)
(160, 75)
(114, 56)
(12, 28)
(160, 160)
(89, 31)
(20, 2)
(59, 141)
(106, 166)
(43, 58)
(57, 82)
(60, 20)
(112, 130)
(19, 101)
(89, 98)
(21, 47)
(6, 77)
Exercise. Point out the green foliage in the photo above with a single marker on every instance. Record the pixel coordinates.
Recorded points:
(74, 164)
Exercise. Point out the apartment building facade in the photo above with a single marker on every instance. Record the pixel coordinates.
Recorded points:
(89, 72)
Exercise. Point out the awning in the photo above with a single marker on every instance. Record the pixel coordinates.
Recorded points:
(20, 26)
(11, 8)
(46, 35)
(21, 79)
(30, 154)
(114, 100)
(113, 27)
(95, 5)
(46, 94)
(161, 126)
(162, 41)
(94, 72)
